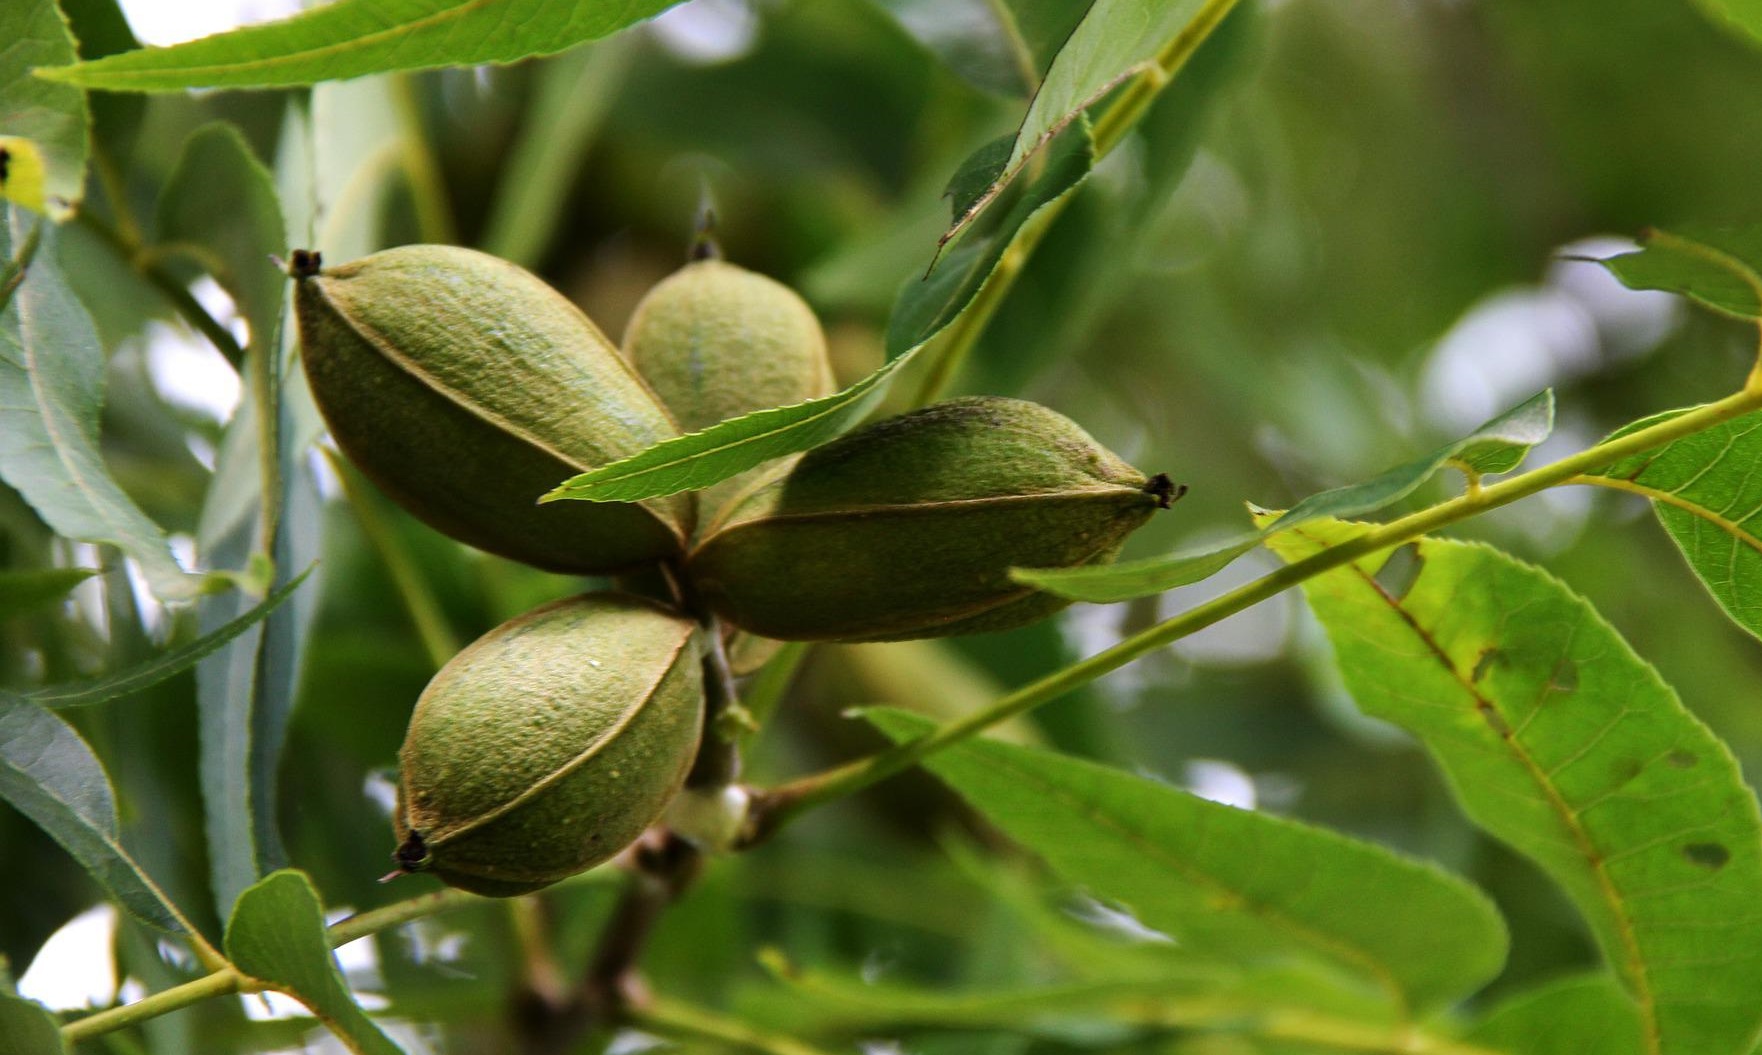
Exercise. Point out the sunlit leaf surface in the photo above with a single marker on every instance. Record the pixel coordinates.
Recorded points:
(350, 38)
(1561, 742)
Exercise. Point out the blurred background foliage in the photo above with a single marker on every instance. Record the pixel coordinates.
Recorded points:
(1368, 252)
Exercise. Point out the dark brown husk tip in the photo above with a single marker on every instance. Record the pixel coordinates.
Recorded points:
(304, 263)
(412, 856)
(1165, 491)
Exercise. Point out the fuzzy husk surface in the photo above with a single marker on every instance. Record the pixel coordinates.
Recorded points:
(715, 341)
(551, 743)
(465, 387)
(908, 528)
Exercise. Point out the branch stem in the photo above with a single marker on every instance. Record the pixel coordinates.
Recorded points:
(1308, 1027)
(766, 689)
(963, 334)
(542, 975)
(774, 808)
(147, 265)
(718, 755)
(361, 924)
(220, 983)
(228, 980)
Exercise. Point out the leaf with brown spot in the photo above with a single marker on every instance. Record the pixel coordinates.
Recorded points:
(1609, 784)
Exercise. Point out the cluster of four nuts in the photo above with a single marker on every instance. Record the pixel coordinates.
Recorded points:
(466, 387)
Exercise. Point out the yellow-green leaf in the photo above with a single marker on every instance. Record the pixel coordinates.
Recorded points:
(1708, 496)
(1583, 1015)
(351, 38)
(1561, 742)
(23, 176)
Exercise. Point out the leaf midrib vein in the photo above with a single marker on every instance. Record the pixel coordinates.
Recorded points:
(1671, 498)
(52, 424)
(307, 54)
(1587, 849)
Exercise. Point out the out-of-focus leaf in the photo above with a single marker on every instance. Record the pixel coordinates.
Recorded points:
(161, 667)
(49, 774)
(138, 957)
(1717, 266)
(101, 29)
(48, 120)
(245, 690)
(1560, 741)
(51, 389)
(23, 592)
(1745, 16)
(930, 302)
(26, 1028)
(276, 935)
(350, 143)
(1199, 995)
(1092, 266)
(240, 850)
(984, 41)
(1226, 881)
(854, 1003)
(977, 173)
(216, 176)
(1586, 1015)
(574, 92)
(1708, 497)
(351, 38)
(1117, 41)
(1496, 447)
